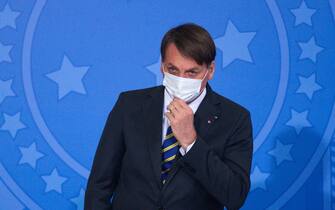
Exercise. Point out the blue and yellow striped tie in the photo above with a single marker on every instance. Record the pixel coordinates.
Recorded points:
(170, 148)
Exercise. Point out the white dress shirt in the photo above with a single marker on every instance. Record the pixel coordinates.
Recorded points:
(166, 123)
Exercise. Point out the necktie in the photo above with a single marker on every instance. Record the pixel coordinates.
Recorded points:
(170, 148)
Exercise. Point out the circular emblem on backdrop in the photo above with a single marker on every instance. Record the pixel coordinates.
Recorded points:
(56, 87)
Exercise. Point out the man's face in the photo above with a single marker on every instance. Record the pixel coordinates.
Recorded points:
(175, 63)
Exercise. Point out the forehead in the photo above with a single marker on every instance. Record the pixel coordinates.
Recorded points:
(174, 57)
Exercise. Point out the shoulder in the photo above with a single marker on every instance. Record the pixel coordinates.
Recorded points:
(139, 94)
(132, 99)
(142, 91)
(230, 107)
(234, 114)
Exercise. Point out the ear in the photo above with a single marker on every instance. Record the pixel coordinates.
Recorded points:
(211, 70)
(162, 65)
(161, 68)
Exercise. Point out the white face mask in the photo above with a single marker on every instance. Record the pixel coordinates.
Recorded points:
(184, 88)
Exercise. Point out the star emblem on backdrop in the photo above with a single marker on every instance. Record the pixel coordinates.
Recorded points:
(155, 69)
(54, 181)
(308, 86)
(234, 45)
(309, 49)
(30, 155)
(8, 17)
(258, 179)
(6, 89)
(299, 121)
(303, 14)
(281, 152)
(12, 124)
(5, 52)
(69, 78)
(79, 200)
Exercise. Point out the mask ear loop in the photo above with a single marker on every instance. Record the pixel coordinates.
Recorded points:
(163, 68)
(205, 75)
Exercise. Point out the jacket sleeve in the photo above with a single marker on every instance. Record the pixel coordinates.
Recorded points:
(228, 178)
(107, 162)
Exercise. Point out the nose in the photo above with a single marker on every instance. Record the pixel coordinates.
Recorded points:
(184, 75)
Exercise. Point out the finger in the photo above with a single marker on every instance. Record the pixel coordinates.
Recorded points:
(180, 101)
(170, 116)
(169, 108)
(179, 106)
(173, 108)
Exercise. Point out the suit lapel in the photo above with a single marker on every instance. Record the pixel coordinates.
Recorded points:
(207, 113)
(204, 118)
(152, 116)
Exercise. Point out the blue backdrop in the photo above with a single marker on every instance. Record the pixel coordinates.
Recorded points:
(63, 64)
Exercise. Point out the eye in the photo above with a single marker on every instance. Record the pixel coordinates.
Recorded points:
(172, 69)
(192, 73)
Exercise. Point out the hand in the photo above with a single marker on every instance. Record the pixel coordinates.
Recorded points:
(181, 119)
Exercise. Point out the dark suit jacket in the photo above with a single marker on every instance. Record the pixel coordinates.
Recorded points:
(127, 164)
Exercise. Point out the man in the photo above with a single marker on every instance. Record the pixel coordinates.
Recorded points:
(179, 146)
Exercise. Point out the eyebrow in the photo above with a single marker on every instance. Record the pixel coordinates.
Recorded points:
(191, 69)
